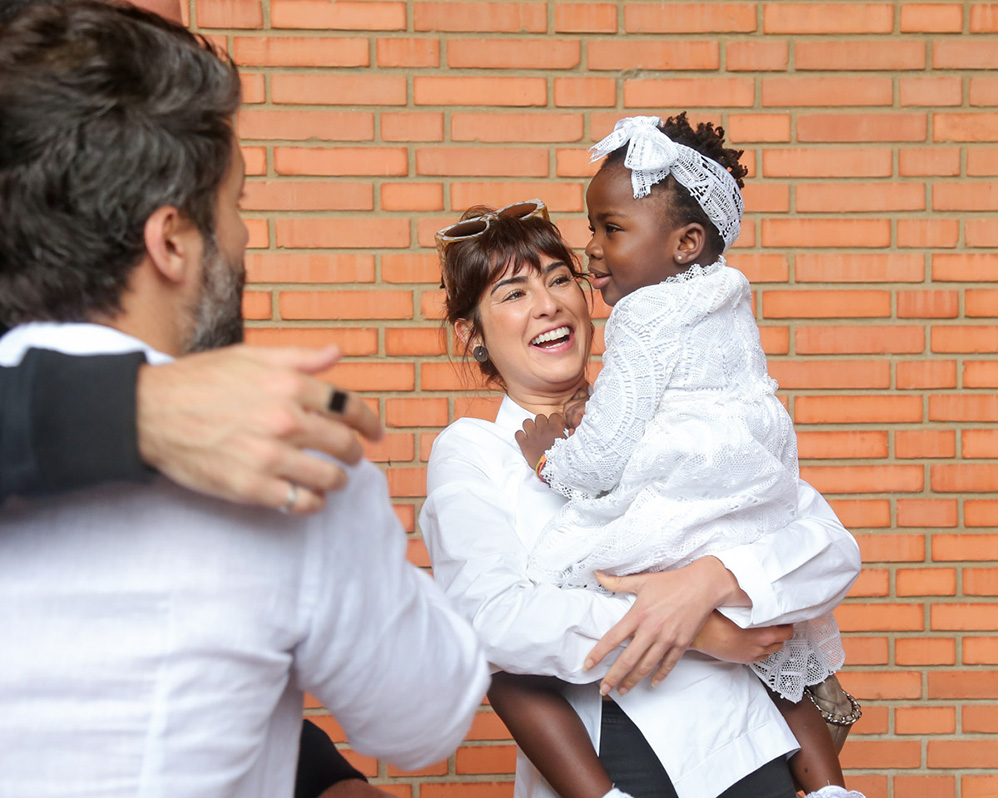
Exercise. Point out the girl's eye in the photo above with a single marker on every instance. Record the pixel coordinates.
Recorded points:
(592, 230)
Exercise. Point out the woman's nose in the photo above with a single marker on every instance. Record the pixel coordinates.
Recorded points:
(546, 304)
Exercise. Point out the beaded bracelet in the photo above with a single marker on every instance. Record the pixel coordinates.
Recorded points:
(540, 467)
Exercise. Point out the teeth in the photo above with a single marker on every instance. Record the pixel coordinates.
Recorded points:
(551, 335)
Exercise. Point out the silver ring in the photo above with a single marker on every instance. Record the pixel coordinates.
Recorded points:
(289, 503)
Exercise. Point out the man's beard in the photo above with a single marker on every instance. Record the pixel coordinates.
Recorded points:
(217, 315)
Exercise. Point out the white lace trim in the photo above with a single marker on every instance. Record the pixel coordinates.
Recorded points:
(652, 156)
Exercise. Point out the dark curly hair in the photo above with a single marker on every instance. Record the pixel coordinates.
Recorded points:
(107, 113)
(471, 265)
(707, 140)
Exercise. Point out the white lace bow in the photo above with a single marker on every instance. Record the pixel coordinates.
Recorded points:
(652, 156)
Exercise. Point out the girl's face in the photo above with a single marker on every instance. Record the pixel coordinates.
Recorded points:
(634, 244)
(537, 328)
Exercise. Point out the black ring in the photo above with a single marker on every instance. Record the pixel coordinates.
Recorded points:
(337, 401)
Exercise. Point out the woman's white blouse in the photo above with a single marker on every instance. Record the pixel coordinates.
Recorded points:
(711, 723)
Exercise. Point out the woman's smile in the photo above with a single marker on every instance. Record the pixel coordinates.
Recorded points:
(557, 339)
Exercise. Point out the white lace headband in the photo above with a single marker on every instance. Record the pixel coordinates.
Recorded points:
(652, 156)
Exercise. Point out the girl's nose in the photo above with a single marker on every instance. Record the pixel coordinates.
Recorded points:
(592, 248)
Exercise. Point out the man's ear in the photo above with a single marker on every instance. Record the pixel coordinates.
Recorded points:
(173, 243)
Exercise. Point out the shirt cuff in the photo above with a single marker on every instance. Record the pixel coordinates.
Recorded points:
(751, 577)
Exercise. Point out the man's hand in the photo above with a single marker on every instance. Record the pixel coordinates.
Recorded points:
(670, 610)
(233, 423)
(724, 640)
(537, 436)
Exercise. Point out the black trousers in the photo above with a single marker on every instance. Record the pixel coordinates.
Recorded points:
(634, 768)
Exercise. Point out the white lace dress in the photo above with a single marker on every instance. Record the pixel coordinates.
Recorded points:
(684, 451)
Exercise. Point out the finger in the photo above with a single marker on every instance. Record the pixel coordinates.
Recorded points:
(650, 660)
(277, 494)
(303, 359)
(310, 472)
(355, 411)
(621, 584)
(620, 632)
(625, 663)
(328, 435)
(665, 668)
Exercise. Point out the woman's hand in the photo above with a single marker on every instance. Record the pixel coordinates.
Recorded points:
(670, 610)
(721, 639)
(537, 436)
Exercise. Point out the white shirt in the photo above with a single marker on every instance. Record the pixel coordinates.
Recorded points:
(711, 723)
(156, 642)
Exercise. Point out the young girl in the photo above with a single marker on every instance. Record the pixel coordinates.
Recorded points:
(684, 449)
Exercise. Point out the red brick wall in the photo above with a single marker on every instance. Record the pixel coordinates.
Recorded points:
(871, 132)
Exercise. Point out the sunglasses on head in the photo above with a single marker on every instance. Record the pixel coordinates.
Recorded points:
(471, 228)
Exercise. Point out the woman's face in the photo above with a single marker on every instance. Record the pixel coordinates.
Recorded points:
(537, 328)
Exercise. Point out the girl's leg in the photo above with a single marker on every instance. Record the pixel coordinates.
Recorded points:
(628, 759)
(772, 780)
(552, 736)
(816, 765)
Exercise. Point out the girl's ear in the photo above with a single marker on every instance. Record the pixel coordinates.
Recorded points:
(691, 243)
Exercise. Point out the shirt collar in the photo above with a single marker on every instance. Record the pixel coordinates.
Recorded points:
(73, 339)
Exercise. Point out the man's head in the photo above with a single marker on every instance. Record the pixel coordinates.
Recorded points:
(116, 149)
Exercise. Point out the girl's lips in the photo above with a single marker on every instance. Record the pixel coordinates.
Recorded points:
(597, 280)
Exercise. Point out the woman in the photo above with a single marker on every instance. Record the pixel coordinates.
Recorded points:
(513, 296)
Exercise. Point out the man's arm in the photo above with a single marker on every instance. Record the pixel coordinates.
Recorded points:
(232, 423)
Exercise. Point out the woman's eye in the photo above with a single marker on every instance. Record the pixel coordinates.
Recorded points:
(515, 294)
(561, 279)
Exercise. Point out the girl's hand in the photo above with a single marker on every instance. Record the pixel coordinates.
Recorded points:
(721, 639)
(537, 436)
(670, 610)
(575, 408)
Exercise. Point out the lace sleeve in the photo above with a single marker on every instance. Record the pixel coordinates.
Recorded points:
(643, 341)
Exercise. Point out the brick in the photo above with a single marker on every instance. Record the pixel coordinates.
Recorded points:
(533, 127)
(864, 478)
(894, 548)
(395, 448)
(256, 305)
(767, 197)
(871, 582)
(760, 267)
(882, 685)
(758, 128)
(803, 162)
(858, 55)
(982, 443)
(409, 341)
(476, 789)
(931, 18)
(819, 267)
(368, 15)
(921, 374)
(513, 53)
(481, 161)
(967, 477)
(412, 126)
(254, 88)
(980, 233)
(412, 196)
(826, 232)
(689, 93)
(916, 443)
(928, 304)
(486, 759)
(859, 197)
(925, 582)
(980, 374)
(689, 18)
(864, 339)
(965, 196)
(825, 19)
(559, 197)
(355, 376)
(863, 514)
(982, 162)
(965, 267)
(980, 513)
(963, 53)
(292, 125)
(926, 161)
(775, 340)
(319, 89)
(841, 444)
(360, 232)
(822, 91)
(818, 304)
(259, 235)
(931, 91)
(925, 720)
(865, 650)
(585, 92)
(374, 161)
(928, 233)
(961, 753)
(256, 160)
(408, 52)
(983, 91)
(980, 582)
(636, 54)
(975, 339)
(431, 304)
(973, 546)
(352, 342)
(857, 409)
(508, 91)
(981, 719)
(308, 267)
(436, 769)
(409, 267)
(380, 304)
(495, 17)
(298, 195)
(229, 14)
(984, 18)
(406, 482)
(862, 128)
(756, 56)
(982, 786)
(843, 374)
(298, 51)
(922, 651)
(964, 127)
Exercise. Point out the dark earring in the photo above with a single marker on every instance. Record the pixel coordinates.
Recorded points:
(480, 353)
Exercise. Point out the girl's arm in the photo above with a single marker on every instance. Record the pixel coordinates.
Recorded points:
(550, 733)
(643, 342)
